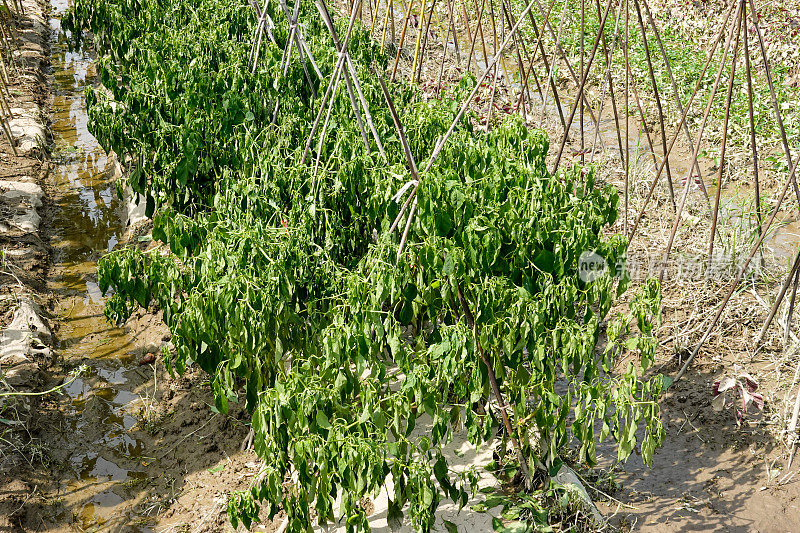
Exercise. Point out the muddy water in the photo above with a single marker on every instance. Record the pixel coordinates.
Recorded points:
(104, 453)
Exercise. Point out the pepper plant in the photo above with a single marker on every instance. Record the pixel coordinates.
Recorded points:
(287, 286)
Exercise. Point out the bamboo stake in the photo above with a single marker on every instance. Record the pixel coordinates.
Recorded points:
(472, 42)
(583, 75)
(441, 67)
(402, 39)
(788, 323)
(626, 50)
(5, 109)
(391, 8)
(6, 80)
(351, 80)
(673, 83)
(375, 16)
(502, 35)
(792, 430)
(452, 30)
(754, 150)
(720, 171)
(717, 40)
(494, 79)
(740, 272)
(550, 68)
(334, 82)
(567, 63)
(480, 31)
(367, 114)
(441, 142)
(657, 97)
(775, 108)
(779, 299)
(641, 117)
(610, 82)
(523, 76)
(425, 40)
(263, 18)
(696, 151)
(9, 136)
(385, 24)
(293, 34)
(469, 34)
(420, 24)
(412, 165)
(581, 87)
(491, 98)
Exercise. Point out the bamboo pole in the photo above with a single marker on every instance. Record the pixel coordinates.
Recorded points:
(402, 39)
(425, 40)
(787, 328)
(479, 30)
(351, 79)
(469, 34)
(778, 299)
(420, 24)
(721, 170)
(334, 82)
(672, 82)
(581, 87)
(688, 106)
(753, 146)
(610, 82)
(443, 140)
(774, 100)
(571, 71)
(696, 151)
(740, 272)
(551, 68)
(657, 98)
(583, 74)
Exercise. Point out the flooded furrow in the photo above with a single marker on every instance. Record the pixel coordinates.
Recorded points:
(104, 452)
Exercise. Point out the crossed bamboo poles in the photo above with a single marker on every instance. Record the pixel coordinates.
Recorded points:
(740, 16)
(597, 58)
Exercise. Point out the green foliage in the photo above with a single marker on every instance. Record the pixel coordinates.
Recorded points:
(284, 287)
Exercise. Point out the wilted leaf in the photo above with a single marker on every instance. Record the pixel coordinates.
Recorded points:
(322, 420)
(718, 403)
(758, 399)
(721, 385)
(750, 383)
(451, 527)
(394, 516)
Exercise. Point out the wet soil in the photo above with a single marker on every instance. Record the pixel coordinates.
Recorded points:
(125, 447)
(710, 475)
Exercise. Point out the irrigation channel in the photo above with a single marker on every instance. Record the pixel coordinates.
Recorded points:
(104, 450)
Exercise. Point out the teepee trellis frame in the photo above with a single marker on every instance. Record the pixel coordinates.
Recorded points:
(452, 36)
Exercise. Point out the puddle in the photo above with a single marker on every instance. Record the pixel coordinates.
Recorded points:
(104, 451)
